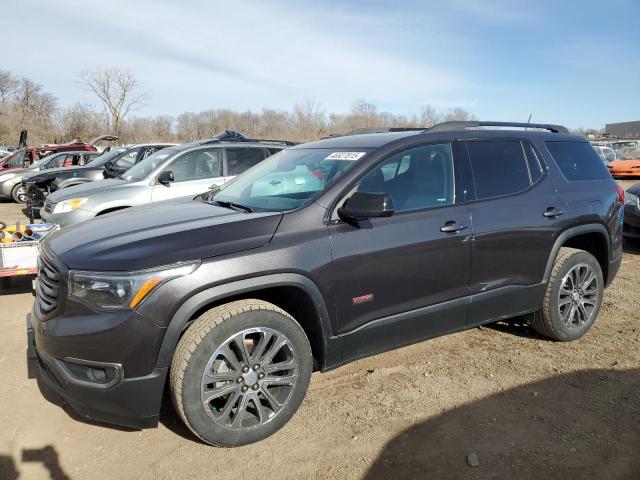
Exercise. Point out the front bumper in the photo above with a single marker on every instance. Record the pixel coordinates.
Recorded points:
(67, 218)
(131, 402)
(625, 172)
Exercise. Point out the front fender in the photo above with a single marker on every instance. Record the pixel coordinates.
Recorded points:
(183, 316)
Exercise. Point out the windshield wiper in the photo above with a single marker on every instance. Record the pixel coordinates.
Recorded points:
(233, 206)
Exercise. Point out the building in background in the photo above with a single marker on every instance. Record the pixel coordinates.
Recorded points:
(623, 129)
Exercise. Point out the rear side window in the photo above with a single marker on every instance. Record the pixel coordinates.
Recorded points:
(578, 161)
(499, 167)
(241, 159)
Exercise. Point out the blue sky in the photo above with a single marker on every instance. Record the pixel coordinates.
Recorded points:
(565, 61)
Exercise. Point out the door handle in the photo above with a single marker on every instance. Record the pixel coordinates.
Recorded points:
(452, 227)
(552, 212)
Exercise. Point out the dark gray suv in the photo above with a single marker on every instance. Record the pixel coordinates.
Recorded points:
(322, 254)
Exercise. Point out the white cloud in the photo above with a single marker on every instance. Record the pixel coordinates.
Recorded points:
(199, 54)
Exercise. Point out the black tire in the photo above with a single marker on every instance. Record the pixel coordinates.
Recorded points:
(548, 321)
(213, 331)
(16, 196)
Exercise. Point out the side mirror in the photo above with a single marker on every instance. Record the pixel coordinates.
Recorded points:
(361, 206)
(166, 177)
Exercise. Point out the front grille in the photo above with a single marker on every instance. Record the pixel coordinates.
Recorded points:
(47, 206)
(47, 287)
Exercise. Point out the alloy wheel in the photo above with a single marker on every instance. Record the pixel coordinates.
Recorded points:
(578, 296)
(249, 378)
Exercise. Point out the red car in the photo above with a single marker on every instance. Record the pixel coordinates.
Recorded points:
(26, 156)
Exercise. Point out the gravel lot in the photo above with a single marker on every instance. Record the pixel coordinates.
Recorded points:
(525, 406)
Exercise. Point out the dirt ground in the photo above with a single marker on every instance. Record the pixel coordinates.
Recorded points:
(525, 406)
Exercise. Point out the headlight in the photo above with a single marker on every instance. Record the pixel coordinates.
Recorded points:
(69, 205)
(7, 176)
(122, 290)
(631, 199)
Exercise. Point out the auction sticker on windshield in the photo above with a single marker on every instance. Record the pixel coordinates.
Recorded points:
(345, 156)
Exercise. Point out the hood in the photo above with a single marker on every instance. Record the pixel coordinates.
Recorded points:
(624, 162)
(86, 188)
(52, 172)
(153, 235)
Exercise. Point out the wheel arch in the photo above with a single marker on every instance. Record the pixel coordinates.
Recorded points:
(294, 293)
(592, 238)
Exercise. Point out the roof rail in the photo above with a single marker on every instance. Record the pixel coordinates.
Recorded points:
(229, 135)
(463, 125)
(365, 130)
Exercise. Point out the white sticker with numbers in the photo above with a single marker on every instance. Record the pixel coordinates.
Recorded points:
(346, 156)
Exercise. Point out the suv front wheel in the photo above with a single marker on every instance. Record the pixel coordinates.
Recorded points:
(240, 372)
(573, 297)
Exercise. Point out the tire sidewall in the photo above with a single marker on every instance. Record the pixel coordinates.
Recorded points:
(564, 333)
(14, 194)
(193, 409)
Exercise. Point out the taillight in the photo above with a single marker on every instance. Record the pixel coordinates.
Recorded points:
(620, 192)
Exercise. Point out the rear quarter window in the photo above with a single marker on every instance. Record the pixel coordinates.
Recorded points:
(578, 161)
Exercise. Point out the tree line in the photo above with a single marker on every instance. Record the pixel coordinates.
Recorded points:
(26, 104)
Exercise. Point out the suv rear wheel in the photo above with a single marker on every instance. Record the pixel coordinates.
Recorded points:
(240, 372)
(573, 297)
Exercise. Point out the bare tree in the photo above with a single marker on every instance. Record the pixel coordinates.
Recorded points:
(8, 85)
(118, 90)
(32, 102)
(458, 114)
(429, 116)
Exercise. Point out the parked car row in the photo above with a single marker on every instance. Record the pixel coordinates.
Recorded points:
(39, 186)
(134, 175)
(11, 186)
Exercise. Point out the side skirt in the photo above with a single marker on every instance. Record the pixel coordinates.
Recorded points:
(396, 331)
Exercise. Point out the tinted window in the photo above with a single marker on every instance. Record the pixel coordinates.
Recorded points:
(578, 161)
(499, 167)
(197, 165)
(62, 160)
(241, 159)
(418, 178)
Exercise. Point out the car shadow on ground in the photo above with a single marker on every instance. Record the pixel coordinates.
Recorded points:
(631, 247)
(47, 456)
(579, 425)
(170, 419)
(518, 326)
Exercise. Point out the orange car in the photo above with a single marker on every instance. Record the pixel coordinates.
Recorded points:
(627, 164)
(625, 168)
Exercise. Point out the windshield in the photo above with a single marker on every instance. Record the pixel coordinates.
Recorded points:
(142, 170)
(289, 179)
